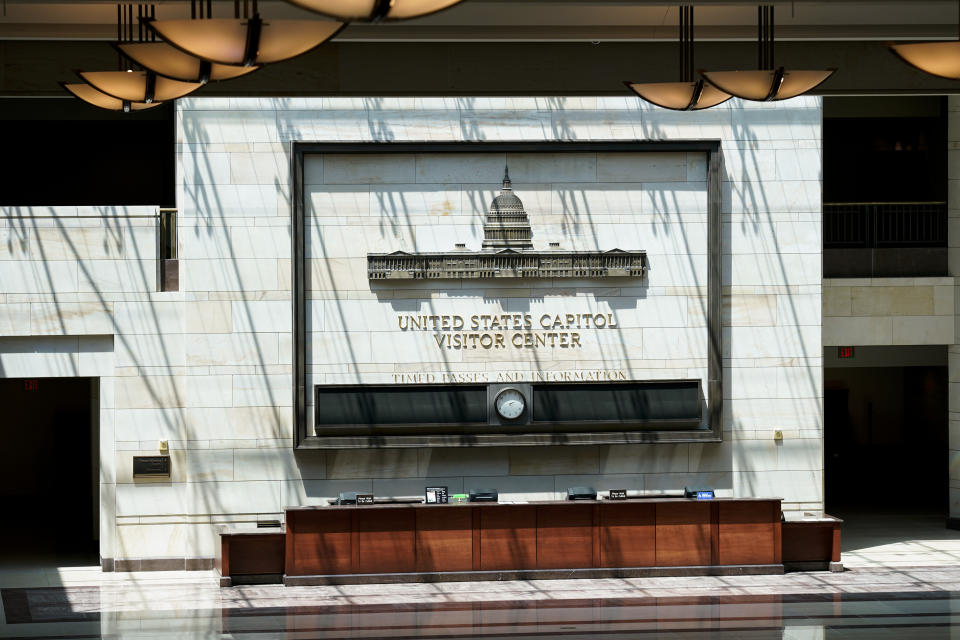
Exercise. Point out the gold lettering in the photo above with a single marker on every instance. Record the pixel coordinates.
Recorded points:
(599, 321)
(515, 342)
(441, 340)
(499, 340)
(545, 321)
(575, 340)
(486, 343)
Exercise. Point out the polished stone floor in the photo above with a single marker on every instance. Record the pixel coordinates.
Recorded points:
(902, 582)
(860, 603)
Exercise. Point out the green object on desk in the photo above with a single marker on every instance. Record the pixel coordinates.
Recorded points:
(458, 498)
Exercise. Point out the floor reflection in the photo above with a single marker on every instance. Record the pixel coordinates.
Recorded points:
(80, 612)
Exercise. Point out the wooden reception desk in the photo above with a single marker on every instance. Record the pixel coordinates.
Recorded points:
(489, 541)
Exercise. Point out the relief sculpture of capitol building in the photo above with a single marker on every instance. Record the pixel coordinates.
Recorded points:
(468, 318)
(508, 253)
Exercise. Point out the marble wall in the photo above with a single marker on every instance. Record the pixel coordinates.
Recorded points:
(888, 311)
(208, 368)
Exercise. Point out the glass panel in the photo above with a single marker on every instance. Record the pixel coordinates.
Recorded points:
(626, 402)
(400, 405)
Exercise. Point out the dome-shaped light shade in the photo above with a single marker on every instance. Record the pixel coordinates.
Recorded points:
(936, 58)
(98, 99)
(138, 86)
(227, 41)
(680, 96)
(766, 85)
(168, 61)
(374, 9)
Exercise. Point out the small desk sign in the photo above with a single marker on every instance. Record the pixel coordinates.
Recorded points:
(618, 494)
(364, 498)
(151, 466)
(436, 495)
(704, 495)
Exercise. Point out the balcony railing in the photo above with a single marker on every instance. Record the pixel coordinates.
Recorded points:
(884, 239)
(867, 225)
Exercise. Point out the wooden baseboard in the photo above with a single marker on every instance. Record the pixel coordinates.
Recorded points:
(534, 574)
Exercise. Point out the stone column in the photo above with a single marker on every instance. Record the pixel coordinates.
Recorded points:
(953, 243)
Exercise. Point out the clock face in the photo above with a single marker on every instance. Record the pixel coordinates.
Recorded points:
(510, 404)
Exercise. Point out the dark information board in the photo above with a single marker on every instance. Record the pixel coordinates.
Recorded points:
(151, 466)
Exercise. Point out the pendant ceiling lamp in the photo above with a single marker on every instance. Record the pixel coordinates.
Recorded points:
(936, 58)
(688, 94)
(374, 10)
(131, 85)
(166, 60)
(98, 99)
(244, 42)
(767, 83)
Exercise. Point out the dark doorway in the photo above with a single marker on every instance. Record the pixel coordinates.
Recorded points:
(48, 470)
(885, 438)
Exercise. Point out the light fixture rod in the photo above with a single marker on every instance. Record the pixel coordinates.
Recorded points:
(765, 37)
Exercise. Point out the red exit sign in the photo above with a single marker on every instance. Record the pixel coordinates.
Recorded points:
(31, 384)
(844, 352)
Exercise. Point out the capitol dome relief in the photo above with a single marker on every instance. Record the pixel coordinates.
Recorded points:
(507, 225)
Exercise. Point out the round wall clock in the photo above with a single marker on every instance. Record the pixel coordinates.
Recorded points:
(510, 404)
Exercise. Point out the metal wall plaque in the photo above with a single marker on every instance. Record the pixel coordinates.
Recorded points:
(364, 498)
(618, 494)
(151, 466)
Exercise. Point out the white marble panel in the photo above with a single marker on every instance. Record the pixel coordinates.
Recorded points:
(772, 342)
(80, 243)
(278, 464)
(671, 343)
(228, 202)
(198, 166)
(274, 390)
(395, 168)
(399, 202)
(641, 167)
(154, 316)
(551, 168)
(52, 276)
(15, 319)
(15, 241)
(234, 348)
(337, 200)
(272, 316)
(118, 275)
(242, 274)
(208, 316)
(259, 168)
(206, 465)
(232, 242)
(71, 318)
(30, 357)
(150, 350)
(234, 497)
(157, 392)
(771, 269)
(151, 499)
(444, 168)
(151, 541)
